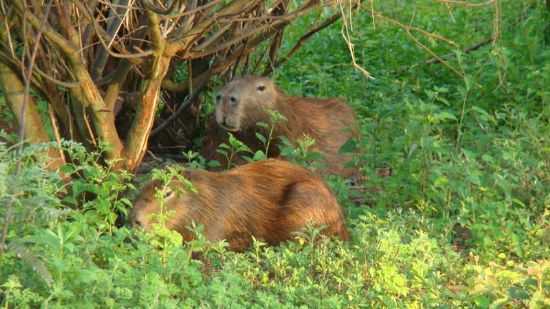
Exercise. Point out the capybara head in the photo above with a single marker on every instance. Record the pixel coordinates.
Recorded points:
(243, 102)
(176, 204)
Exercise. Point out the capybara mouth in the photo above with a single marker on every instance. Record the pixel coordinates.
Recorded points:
(230, 129)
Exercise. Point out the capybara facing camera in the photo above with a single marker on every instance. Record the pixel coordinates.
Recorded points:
(246, 101)
(267, 199)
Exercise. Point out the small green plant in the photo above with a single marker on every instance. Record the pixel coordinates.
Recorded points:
(302, 152)
(234, 148)
(275, 118)
(96, 187)
(196, 161)
(161, 237)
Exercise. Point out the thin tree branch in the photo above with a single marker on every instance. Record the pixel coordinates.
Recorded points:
(180, 109)
(326, 23)
(45, 28)
(112, 28)
(151, 7)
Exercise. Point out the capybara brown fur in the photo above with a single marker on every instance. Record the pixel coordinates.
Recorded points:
(267, 199)
(244, 102)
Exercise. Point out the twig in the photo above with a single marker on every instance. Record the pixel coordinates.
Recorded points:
(466, 3)
(326, 23)
(435, 60)
(180, 109)
(9, 210)
(255, 30)
(113, 27)
(193, 11)
(172, 8)
(55, 126)
(347, 28)
(101, 32)
(466, 50)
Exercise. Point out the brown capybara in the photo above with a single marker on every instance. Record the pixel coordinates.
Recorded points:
(244, 102)
(267, 199)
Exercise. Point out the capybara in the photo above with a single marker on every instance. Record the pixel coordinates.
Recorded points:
(244, 102)
(267, 199)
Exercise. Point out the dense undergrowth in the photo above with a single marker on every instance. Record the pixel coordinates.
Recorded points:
(463, 220)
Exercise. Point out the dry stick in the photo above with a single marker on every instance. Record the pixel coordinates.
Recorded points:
(7, 25)
(409, 28)
(194, 10)
(183, 41)
(466, 3)
(178, 111)
(347, 29)
(27, 77)
(151, 7)
(466, 50)
(284, 19)
(435, 60)
(277, 10)
(55, 126)
(37, 72)
(101, 33)
(326, 23)
(113, 27)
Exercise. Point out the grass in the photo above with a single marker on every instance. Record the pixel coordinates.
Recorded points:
(464, 220)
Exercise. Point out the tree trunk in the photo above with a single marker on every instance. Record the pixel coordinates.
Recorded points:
(145, 114)
(27, 114)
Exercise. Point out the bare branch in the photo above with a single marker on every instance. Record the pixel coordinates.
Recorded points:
(326, 23)
(190, 99)
(118, 7)
(64, 44)
(173, 7)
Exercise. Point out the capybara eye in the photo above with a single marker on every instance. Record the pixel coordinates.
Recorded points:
(137, 223)
(168, 194)
(233, 100)
(260, 88)
(218, 98)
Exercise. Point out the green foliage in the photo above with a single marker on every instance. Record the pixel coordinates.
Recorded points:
(231, 150)
(91, 178)
(302, 153)
(274, 119)
(463, 221)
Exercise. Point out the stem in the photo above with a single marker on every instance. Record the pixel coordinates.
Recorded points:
(230, 158)
(461, 121)
(9, 212)
(269, 140)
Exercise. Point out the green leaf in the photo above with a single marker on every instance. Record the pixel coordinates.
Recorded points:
(349, 146)
(261, 138)
(259, 155)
